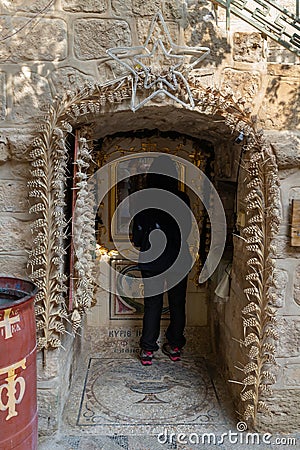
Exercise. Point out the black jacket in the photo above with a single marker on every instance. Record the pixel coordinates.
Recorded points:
(150, 219)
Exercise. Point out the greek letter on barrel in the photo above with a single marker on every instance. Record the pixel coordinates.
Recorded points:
(11, 388)
(8, 322)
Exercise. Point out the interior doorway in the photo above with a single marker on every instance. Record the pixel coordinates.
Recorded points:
(116, 391)
(120, 318)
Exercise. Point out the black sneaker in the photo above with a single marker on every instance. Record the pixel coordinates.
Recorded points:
(173, 353)
(146, 357)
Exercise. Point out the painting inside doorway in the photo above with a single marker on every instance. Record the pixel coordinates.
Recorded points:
(123, 307)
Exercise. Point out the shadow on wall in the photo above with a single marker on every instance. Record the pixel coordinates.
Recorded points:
(200, 30)
(38, 46)
(31, 45)
(285, 97)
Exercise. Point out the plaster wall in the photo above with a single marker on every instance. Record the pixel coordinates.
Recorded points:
(48, 48)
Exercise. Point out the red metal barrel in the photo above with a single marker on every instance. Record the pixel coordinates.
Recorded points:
(18, 403)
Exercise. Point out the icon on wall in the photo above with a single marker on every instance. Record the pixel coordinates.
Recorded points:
(121, 306)
(120, 193)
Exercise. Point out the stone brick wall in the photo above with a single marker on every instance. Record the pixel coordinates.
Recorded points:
(47, 48)
(287, 281)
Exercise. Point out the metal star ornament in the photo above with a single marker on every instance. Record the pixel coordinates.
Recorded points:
(163, 68)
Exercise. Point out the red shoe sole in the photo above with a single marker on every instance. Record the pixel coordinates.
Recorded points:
(146, 363)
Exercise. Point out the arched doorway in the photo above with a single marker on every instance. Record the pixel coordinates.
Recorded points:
(217, 119)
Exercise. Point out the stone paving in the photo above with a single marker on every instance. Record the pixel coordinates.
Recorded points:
(116, 404)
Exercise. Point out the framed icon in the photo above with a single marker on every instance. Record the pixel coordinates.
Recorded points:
(120, 203)
(124, 307)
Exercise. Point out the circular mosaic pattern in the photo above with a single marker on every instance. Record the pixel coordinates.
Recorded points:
(123, 390)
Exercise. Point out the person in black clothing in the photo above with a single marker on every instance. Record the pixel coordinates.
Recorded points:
(145, 222)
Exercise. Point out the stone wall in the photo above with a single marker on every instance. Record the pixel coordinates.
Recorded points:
(48, 48)
(286, 290)
(285, 298)
(45, 54)
(54, 378)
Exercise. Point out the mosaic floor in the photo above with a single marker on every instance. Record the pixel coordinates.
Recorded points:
(116, 403)
(123, 392)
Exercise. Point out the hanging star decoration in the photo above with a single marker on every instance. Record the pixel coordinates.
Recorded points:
(161, 68)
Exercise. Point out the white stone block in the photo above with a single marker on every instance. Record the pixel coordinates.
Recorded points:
(17, 234)
(13, 196)
(31, 95)
(286, 145)
(288, 344)
(46, 41)
(94, 36)
(2, 101)
(96, 6)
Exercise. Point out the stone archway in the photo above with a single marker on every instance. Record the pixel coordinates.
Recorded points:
(49, 156)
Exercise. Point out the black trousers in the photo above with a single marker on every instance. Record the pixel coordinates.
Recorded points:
(152, 314)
